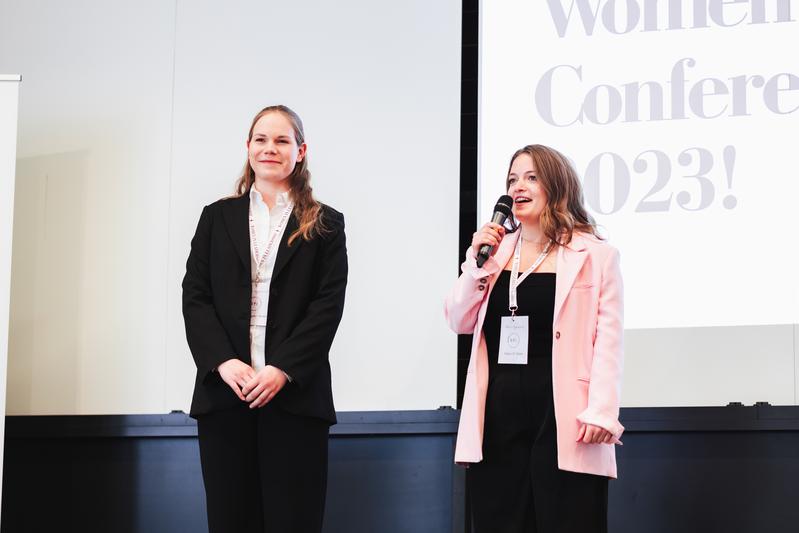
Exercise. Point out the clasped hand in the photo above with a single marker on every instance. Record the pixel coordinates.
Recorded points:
(256, 388)
(590, 434)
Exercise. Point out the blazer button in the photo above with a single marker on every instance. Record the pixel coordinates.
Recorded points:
(557, 334)
(483, 280)
(482, 287)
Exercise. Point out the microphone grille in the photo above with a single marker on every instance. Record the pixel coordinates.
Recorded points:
(504, 205)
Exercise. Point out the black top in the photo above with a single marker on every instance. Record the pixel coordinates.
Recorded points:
(536, 300)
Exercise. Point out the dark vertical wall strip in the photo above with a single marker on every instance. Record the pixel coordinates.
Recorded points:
(468, 179)
(470, 29)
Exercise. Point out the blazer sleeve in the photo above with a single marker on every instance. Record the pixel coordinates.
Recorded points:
(462, 305)
(308, 346)
(604, 391)
(208, 341)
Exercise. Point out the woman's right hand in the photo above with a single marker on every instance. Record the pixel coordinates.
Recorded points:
(490, 234)
(236, 373)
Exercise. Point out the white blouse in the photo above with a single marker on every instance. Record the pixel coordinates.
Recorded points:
(266, 222)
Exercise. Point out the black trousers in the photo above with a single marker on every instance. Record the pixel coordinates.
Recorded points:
(518, 488)
(265, 470)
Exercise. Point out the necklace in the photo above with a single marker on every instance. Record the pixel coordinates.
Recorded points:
(539, 246)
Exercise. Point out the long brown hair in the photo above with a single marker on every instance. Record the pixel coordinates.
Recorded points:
(564, 212)
(307, 210)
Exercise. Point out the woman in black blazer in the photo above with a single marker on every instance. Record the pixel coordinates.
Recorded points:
(262, 299)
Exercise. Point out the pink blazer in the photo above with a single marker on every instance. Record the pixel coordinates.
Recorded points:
(587, 351)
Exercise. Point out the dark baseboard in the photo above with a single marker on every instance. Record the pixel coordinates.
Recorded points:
(731, 469)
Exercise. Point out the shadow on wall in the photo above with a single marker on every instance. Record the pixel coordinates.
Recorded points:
(47, 284)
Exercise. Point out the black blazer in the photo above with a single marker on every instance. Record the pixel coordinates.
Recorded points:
(306, 300)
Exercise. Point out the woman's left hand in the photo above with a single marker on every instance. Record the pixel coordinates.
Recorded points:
(263, 386)
(590, 434)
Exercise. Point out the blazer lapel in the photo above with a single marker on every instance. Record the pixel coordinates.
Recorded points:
(284, 251)
(237, 221)
(570, 260)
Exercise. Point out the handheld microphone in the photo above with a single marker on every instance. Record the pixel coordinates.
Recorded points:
(501, 213)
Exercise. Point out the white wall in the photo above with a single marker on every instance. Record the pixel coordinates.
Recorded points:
(135, 116)
(9, 90)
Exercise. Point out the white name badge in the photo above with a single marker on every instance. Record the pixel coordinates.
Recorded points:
(259, 304)
(513, 340)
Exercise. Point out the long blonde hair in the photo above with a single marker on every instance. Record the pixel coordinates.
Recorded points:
(306, 208)
(564, 212)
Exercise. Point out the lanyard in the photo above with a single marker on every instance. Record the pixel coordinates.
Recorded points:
(516, 278)
(260, 259)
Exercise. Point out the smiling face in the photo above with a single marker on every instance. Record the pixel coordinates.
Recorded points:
(272, 149)
(529, 197)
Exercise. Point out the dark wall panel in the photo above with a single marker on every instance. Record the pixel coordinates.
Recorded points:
(725, 469)
(388, 472)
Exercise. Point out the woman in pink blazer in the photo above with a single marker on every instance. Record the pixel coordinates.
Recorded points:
(539, 419)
